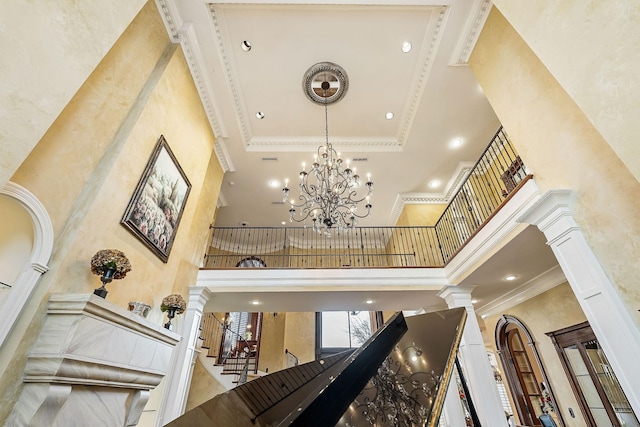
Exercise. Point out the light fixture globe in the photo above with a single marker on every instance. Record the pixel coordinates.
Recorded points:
(330, 192)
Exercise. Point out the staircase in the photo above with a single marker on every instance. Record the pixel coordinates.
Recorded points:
(236, 358)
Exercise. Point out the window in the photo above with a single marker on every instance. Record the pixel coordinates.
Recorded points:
(338, 331)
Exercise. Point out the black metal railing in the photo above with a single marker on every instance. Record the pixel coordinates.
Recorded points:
(298, 247)
(497, 174)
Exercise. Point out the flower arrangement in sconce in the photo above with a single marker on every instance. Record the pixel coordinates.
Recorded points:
(173, 304)
(109, 264)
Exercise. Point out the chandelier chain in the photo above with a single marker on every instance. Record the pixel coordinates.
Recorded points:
(329, 194)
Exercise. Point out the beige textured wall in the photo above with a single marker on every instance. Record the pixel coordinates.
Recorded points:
(86, 167)
(420, 215)
(205, 388)
(36, 84)
(563, 149)
(272, 355)
(300, 335)
(552, 310)
(591, 49)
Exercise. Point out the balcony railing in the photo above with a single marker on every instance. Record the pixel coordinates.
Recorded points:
(498, 173)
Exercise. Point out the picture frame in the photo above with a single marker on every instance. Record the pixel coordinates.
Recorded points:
(156, 206)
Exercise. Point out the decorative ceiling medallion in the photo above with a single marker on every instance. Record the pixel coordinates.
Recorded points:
(325, 83)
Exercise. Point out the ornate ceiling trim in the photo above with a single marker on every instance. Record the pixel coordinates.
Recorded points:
(303, 144)
(185, 35)
(534, 287)
(475, 21)
(452, 187)
(432, 40)
(220, 34)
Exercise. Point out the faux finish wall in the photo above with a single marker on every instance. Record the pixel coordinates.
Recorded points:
(36, 83)
(85, 169)
(591, 49)
(563, 149)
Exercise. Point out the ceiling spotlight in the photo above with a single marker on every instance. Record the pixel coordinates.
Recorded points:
(260, 115)
(246, 46)
(456, 143)
(474, 301)
(284, 223)
(511, 277)
(255, 302)
(389, 115)
(435, 183)
(274, 183)
(406, 47)
(369, 301)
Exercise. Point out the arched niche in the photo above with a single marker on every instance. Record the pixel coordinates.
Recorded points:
(34, 263)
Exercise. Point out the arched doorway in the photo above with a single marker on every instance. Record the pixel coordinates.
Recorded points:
(528, 383)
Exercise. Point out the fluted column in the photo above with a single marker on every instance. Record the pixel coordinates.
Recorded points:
(479, 374)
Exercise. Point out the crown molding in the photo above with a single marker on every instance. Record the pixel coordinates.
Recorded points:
(433, 35)
(462, 171)
(532, 288)
(222, 200)
(303, 144)
(471, 31)
(220, 34)
(431, 43)
(184, 33)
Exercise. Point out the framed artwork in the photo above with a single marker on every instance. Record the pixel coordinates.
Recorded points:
(154, 211)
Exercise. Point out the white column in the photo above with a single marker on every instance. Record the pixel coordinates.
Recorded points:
(609, 318)
(453, 412)
(477, 369)
(176, 389)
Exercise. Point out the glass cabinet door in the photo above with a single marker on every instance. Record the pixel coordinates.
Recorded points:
(597, 389)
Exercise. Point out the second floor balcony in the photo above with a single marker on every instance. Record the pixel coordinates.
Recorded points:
(494, 179)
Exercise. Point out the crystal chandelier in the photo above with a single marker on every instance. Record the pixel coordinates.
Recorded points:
(331, 191)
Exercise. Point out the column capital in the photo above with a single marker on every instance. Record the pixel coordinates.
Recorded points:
(552, 213)
(198, 296)
(457, 296)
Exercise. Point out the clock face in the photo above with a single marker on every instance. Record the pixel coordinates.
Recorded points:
(251, 261)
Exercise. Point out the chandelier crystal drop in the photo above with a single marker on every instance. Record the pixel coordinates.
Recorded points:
(331, 191)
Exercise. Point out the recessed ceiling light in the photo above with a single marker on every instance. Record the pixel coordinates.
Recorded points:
(255, 302)
(246, 46)
(274, 183)
(389, 115)
(284, 223)
(511, 277)
(406, 47)
(455, 143)
(435, 183)
(369, 301)
(260, 115)
(474, 301)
